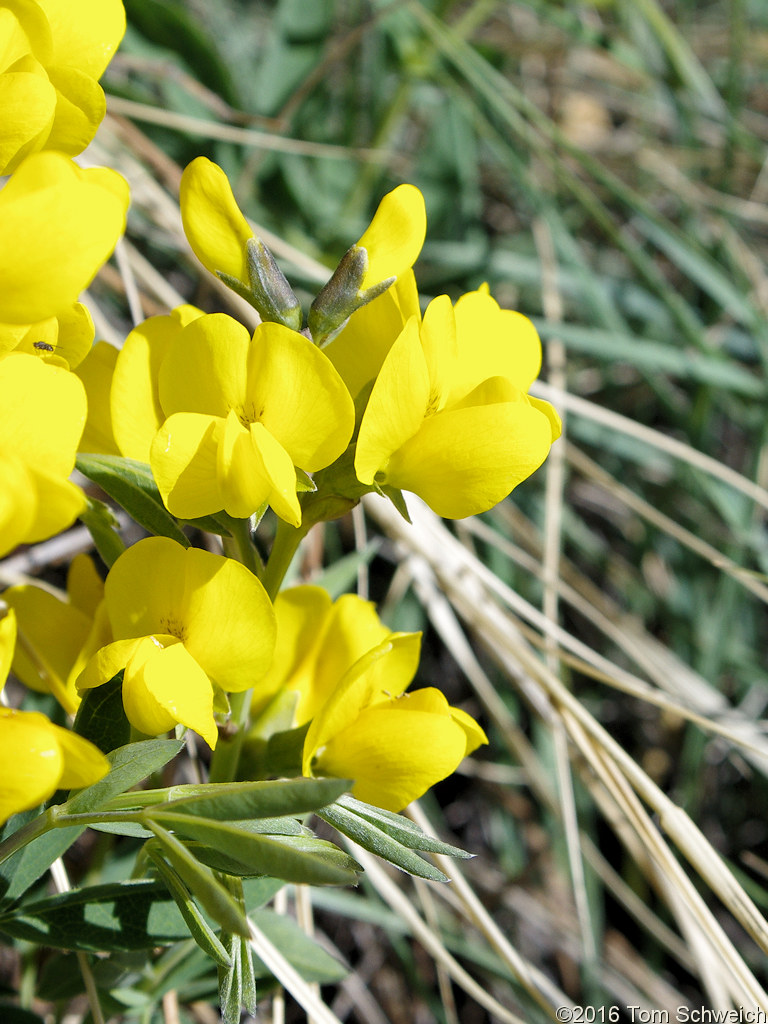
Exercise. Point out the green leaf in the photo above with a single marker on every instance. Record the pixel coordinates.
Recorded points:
(23, 868)
(199, 928)
(231, 983)
(131, 764)
(132, 485)
(102, 526)
(101, 716)
(402, 829)
(240, 801)
(294, 858)
(202, 883)
(120, 916)
(372, 838)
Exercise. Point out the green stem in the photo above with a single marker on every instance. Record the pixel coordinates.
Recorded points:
(27, 833)
(287, 540)
(243, 548)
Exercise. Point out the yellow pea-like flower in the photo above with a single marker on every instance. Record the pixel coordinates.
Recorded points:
(241, 414)
(42, 413)
(186, 623)
(58, 224)
(395, 745)
(350, 673)
(52, 53)
(449, 417)
(37, 757)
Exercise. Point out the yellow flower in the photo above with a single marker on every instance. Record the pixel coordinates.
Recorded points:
(350, 673)
(386, 251)
(42, 413)
(58, 224)
(61, 635)
(395, 745)
(241, 414)
(52, 53)
(37, 757)
(187, 624)
(448, 417)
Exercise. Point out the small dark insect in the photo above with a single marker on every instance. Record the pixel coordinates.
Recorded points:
(43, 346)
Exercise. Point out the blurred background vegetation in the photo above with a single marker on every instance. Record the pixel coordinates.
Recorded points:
(602, 166)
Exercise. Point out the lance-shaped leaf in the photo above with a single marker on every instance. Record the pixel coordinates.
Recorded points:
(374, 839)
(240, 801)
(293, 858)
(405, 831)
(113, 917)
(201, 881)
(199, 929)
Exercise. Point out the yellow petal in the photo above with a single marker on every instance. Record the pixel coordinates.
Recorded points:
(163, 686)
(85, 33)
(204, 369)
(18, 502)
(107, 662)
(301, 615)
(299, 397)
(28, 102)
(58, 224)
(31, 761)
(394, 753)
(359, 350)
(494, 342)
(551, 413)
(352, 629)
(96, 372)
(59, 503)
(80, 109)
(55, 631)
(394, 238)
(84, 585)
(438, 339)
(135, 406)
(384, 671)
(213, 223)
(257, 469)
(7, 643)
(184, 460)
(42, 412)
(397, 406)
(84, 763)
(214, 605)
(464, 461)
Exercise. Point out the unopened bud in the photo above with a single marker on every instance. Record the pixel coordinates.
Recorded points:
(271, 294)
(342, 296)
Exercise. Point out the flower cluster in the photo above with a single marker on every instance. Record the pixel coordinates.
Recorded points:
(195, 419)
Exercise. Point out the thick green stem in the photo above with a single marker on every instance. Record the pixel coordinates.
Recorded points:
(241, 547)
(32, 830)
(287, 540)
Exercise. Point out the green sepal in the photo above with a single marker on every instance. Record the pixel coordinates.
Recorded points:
(243, 801)
(102, 526)
(101, 716)
(402, 829)
(199, 928)
(292, 858)
(339, 298)
(375, 840)
(132, 486)
(304, 482)
(273, 297)
(131, 764)
(200, 880)
(231, 983)
(395, 495)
